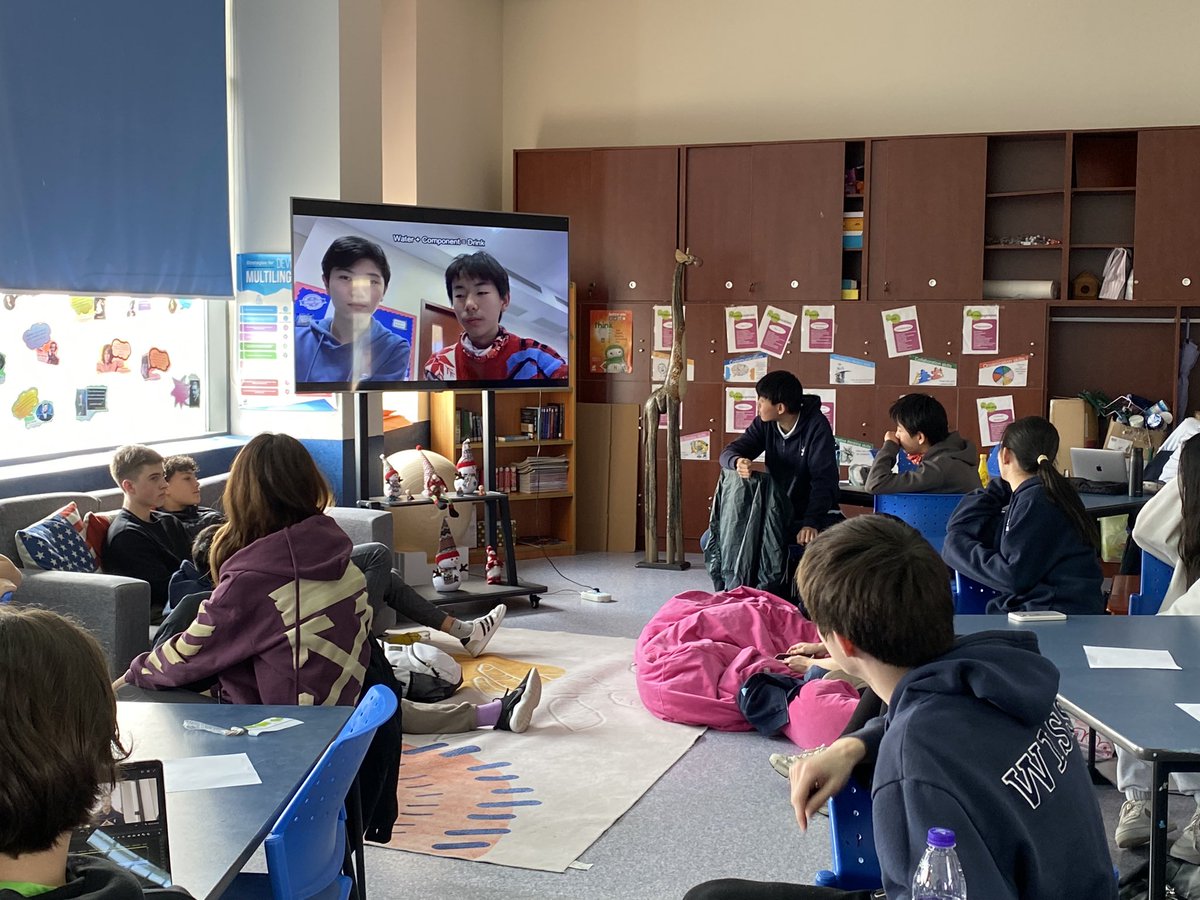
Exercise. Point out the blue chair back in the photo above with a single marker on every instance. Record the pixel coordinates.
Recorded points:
(970, 597)
(855, 863)
(1156, 578)
(928, 513)
(994, 462)
(307, 846)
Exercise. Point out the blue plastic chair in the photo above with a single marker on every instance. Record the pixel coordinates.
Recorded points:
(1156, 578)
(970, 597)
(306, 848)
(855, 863)
(928, 513)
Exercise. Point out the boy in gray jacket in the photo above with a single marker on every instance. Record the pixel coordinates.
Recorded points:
(946, 462)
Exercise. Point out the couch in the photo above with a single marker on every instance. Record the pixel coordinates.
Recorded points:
(113, 608)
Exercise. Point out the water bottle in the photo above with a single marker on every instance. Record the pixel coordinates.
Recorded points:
(1135, 472)
(984, 475)
(939, 875)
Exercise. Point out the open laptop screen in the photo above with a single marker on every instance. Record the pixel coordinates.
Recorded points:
(129, 825)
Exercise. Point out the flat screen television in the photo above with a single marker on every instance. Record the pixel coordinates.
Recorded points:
(394, 298)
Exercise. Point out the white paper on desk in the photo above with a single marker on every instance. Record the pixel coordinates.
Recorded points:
(199, 773)
(1128, 658)
(1192, 709)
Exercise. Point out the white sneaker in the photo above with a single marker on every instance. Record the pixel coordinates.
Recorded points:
(482, 630)
(782, 762)
(1133, 826)
(1186, 848)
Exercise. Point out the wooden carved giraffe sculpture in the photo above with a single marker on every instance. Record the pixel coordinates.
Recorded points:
(666, 399)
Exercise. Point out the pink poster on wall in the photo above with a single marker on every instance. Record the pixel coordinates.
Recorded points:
(901, 331)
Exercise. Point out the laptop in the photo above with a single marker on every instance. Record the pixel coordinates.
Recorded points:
(1099, 465)
(129, 825)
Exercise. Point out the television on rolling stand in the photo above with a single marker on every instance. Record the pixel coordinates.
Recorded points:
(397, 298)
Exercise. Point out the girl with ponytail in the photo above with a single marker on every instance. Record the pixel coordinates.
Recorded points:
(1026, 535)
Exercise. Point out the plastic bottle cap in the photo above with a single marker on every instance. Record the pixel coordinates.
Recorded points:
(941, 837)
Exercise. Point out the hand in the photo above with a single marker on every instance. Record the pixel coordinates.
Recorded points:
(798, 663)
(890, 436)
(742, 466)
(815, 779)
(816, 651)
(806, 534)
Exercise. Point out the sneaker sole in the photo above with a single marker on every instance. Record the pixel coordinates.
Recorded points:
(522, 713)
(499, 613)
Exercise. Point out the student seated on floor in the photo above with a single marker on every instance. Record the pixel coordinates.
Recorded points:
(946, 462)
(142, 542)
(974, 739)
(1027, 535)
(60, 747)
(798, 442)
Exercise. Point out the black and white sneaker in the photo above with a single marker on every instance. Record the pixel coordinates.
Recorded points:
(482, 630)
(517, 706)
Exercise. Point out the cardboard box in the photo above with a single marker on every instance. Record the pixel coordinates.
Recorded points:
(1077, 426)
(1122, 437)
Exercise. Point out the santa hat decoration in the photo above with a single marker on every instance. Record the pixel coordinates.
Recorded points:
(427, 466)
(389, 471)
(447, 555)
(467, 460)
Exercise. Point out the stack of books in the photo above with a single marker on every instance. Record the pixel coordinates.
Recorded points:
(468, 426)
(543, 422)
(541, 474)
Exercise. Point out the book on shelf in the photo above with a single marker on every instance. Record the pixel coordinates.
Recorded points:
(543, 422)
(468, 426)
(542, 474)
(513, 438)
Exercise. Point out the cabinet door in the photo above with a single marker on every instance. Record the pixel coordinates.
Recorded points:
(797, 221)
(1166, 225)
(559, 182)
(636, 192)
(926, 218)
(718, 222)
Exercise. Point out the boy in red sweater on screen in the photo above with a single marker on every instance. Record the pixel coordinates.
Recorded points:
(486, 351)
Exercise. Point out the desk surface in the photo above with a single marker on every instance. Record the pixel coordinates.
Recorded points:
(1097, 505)
(213, 832)
(1135, 706)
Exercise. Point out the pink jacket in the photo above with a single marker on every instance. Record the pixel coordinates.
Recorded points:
(695, 654)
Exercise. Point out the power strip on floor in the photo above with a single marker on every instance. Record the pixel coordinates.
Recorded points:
(596, 596)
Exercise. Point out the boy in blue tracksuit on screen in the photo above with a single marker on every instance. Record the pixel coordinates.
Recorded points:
(350, 345)
(973, 739)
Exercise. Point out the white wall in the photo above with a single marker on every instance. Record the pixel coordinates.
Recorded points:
(636, 72)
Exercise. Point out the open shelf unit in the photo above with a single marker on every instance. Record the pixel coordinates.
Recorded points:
(854, 202)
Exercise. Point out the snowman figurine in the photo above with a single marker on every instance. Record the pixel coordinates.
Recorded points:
(467, 481)
(495, 574)
(447, 560)
(391, 480)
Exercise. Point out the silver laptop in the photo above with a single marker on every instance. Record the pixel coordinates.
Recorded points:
(1099, 465)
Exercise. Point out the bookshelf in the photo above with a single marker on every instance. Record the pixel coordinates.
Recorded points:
(549, 516)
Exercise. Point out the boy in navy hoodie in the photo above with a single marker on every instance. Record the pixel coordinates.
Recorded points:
(973, 739)
(798, 443)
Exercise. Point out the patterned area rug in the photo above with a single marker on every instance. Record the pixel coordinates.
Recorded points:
(537, 800)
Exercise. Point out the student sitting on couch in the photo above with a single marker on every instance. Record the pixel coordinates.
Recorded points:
(946, 462)
(183, 495)
(143, 543)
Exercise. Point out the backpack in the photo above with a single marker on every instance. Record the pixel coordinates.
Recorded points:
(425, 673)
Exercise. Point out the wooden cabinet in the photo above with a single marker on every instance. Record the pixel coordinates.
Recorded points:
(926, 218)
(559, 182)
(1167, 223)
(767, 222)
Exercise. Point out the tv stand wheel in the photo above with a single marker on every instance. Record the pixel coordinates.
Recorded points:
(535, 600)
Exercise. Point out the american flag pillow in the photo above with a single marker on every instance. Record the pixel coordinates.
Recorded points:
(57, 542)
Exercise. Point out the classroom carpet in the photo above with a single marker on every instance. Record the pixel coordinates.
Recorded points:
(536, 800)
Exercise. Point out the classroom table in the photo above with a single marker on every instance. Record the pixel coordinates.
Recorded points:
(213, 832)
(1135, 707)
(1097, 505)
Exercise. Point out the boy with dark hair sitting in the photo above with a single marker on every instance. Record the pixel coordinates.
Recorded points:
(973, 739)
(59, 721)
(791, 429)
(183, 495)
(478, 288)
(946, 462)
(142, 542)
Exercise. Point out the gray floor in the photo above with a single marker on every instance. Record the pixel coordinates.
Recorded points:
(721, 811)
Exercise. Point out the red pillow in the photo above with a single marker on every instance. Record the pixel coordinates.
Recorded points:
(95, 532)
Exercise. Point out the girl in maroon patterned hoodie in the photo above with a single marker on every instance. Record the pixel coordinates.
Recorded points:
(289, 621)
